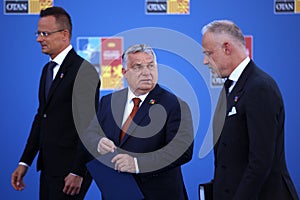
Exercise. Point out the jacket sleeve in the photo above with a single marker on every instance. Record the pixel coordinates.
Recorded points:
(178, 148)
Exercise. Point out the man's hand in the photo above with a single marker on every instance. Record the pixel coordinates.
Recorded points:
(72, 184)
(124, 163)
(105, 145)
(17, 177)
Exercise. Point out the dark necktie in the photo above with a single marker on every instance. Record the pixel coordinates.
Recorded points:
(49, 77)
(227, 85)
(136, 102)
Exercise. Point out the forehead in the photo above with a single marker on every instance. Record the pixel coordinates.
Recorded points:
(140, 57)
(210, 40)
(207, 39)
(47, 21)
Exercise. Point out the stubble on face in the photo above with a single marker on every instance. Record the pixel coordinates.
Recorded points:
(213, 54)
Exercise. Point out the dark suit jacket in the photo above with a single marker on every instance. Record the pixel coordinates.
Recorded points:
(53, 133)
(249, 155)
(161, 145)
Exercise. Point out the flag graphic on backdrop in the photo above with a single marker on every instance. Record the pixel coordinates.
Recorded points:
(105, 53)
(111, 63)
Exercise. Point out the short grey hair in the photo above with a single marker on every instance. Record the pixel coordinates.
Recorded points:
(225, 27)
(137, 48)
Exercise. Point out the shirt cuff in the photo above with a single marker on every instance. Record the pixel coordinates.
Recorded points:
(24, 164)
(73, 174)
(136, 165)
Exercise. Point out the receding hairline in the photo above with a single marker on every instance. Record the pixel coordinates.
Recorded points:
(224, 27)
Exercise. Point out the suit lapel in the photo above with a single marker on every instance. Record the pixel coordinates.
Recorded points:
(42, 91)
(142, 112)
(230, 101)
(238, 89)
(118, 102)
(61, 74)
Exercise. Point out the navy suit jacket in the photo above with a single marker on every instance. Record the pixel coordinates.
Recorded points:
(54, 134)
(161, 138)
(249, 155)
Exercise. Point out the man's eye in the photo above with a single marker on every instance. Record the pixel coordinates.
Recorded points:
(207, 53)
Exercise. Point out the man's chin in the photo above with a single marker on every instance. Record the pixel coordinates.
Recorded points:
(147, 87)
(45, 51)
(146, 84)
(215, 72)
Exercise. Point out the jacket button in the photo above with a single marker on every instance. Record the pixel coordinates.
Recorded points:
(45, 115)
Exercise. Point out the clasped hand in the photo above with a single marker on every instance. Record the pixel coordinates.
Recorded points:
(123, 162)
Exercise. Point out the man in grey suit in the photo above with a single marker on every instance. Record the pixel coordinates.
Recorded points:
(249, 151)
(54, 134)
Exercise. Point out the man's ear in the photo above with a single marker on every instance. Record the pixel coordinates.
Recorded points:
(226, 48)
(66, 35)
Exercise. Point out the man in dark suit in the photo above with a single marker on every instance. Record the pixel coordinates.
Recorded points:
(54, 134)
(249, 151)
(159, 138)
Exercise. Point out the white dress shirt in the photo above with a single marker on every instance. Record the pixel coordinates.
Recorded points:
(235, 75)
(60, 58)
(129, 103)
(128, 108)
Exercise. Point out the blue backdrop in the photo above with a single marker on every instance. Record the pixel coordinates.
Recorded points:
(177, 41)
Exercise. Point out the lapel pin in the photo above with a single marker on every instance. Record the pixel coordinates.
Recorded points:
(236, 98)
(152, 101)
(61, 75)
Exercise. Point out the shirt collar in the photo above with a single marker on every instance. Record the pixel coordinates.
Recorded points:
(61, 56)
(130, 96)
(235, 75)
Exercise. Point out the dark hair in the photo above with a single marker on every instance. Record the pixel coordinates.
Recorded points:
(61, 16)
